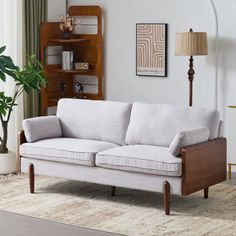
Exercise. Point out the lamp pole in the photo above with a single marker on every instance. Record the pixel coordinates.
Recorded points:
(191, 73)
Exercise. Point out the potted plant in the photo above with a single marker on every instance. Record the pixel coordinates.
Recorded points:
(31, 77)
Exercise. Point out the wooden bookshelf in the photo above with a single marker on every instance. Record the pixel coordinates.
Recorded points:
(86, 48)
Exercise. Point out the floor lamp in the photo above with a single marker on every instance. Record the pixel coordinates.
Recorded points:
(191, 44)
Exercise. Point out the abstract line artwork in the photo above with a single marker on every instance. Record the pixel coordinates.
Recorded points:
(151, 50)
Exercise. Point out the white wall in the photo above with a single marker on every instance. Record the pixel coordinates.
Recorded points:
(217, 17)
(56, 8)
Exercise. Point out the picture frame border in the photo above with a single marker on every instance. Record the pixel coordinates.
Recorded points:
(166, 49)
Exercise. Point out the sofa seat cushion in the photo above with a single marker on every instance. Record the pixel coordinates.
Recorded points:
(69, 150)
(141, 158)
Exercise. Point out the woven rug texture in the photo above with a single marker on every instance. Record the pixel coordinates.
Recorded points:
(130, 212)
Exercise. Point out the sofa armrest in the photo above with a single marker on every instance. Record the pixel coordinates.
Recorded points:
(203, 165)
(42, 127)
(20, 140)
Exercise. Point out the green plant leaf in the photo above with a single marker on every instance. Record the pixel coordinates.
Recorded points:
(2, 76)
(2, 49)
(5, 103)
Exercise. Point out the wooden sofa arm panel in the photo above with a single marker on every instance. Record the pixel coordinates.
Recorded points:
(203, 165)
(20, 140)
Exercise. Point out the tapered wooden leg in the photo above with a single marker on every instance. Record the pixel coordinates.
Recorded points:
(166, 188)
(206, 191)
(113, 191)
(31, 178)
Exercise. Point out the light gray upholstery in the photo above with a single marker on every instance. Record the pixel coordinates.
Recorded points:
(93, 130)
(97, 120)
(105, 176)
(67, 150)
(141, 158)
(186, 138)
(221, 129)
(41, 128)
(158, 124)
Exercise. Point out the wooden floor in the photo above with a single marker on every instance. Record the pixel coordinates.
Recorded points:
(19, 225)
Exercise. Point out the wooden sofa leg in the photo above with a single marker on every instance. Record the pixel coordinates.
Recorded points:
(166, 188)
(31, 177)
(113, 191)
(206, 192)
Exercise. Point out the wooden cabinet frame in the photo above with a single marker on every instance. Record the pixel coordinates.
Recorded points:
(86, 48)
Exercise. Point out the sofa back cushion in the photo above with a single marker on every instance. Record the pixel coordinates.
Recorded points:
(158, 124)
(96, 120)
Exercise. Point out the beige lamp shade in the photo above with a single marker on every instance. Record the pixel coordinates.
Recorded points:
(191, 43)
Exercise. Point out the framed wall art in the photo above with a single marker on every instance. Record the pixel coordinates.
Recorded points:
(151, 49)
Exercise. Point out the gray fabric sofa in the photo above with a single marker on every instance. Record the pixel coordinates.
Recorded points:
(152, 147)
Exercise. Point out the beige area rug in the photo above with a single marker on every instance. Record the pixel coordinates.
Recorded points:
(131, 212)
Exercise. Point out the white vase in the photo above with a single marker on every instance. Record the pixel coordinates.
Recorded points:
(7, 163)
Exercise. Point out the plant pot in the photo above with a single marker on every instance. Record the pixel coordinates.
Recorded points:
(7, 163)
(67, 34)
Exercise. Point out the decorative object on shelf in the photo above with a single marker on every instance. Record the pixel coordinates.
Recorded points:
(66, 35)
(66, 26)
(81, 66)
(31, 77)
(67, 60)
(151, 49)
(231, 136)
(62, 89)
(191, 44)
(79, 90)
